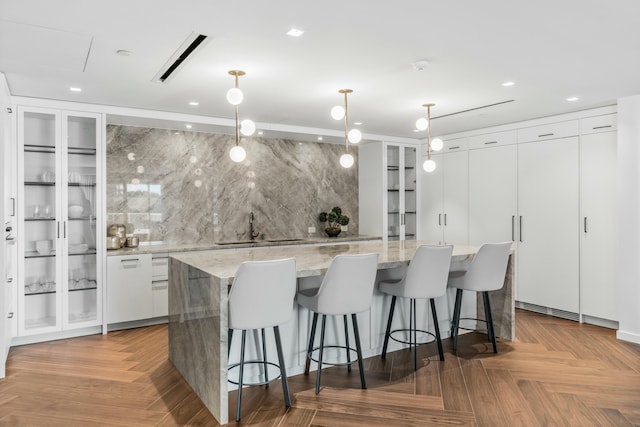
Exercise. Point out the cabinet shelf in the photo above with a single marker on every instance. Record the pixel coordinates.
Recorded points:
(29, 293)
(34, 254)
(87, 252)
(393, 168)
(395, 190)
(84, 218)
(40, 183)
(83, 151)
(84, 289)
(33, 148)
(78, 184)
(40, 219)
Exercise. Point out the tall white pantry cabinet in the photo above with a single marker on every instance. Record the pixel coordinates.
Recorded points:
(59, 209)
(549, 187)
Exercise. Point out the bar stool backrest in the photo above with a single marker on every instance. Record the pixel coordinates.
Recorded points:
(347, 287)
(428, 271)
(488, 267)
(262, 294)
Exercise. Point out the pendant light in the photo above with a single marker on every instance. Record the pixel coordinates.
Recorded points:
(436, 144)
(353, 136)
(246, 127)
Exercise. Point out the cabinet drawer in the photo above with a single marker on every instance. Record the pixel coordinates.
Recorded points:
(599, 124)
(160, 291)
(129, 294)
(550, 131)
(493, 139)
(160, 268)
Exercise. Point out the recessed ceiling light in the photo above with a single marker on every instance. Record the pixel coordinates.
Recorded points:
(319, 138)
(123, 52)
(194, 103)
(294, 32)
(572, 98)
(416, 130)
(75, 89)
(507, 84)
(357, 123)
(188, 126)
(260, 132)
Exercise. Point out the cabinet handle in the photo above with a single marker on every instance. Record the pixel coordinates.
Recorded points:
(13, 206)
(58, 229)
(130, 260)
(10, 315)
(520, 229)
(454, 148)
(65, 229)
(10, 280)
(439, 219)
(585, 225)
(601, 127)
(445, 220)
(513, 228)
(545, 134)
(490, 142)
(401, 219)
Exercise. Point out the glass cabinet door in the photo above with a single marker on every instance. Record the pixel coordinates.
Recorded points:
(40, 243)
(80, 197)
(393, 192)
(410, 213)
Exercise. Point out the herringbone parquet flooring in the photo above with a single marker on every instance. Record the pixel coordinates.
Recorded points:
(556, 373)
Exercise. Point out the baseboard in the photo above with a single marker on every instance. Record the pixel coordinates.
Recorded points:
(628, 336)
(548, 310)
(73, 333)
(598, 321)
(137, 323)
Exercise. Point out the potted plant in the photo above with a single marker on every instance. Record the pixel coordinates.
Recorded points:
(335, 218)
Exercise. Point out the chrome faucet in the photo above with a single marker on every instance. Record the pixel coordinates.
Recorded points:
(252, 233)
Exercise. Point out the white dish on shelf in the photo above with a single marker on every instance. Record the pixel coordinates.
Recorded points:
(80, 247)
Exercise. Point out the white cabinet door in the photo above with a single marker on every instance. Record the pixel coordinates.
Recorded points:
(455, 218)
(129, 292)
(598, 293)
(493, 194)
(548, 208)
(431, 199)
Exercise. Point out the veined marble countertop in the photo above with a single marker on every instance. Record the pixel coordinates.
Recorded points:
(172, 247)
(313, 260)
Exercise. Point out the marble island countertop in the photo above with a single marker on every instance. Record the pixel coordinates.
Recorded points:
(173, 247)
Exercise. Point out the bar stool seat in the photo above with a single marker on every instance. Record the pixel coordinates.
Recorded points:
(485, 273)
(347, 288)
(425, 278)
(262, 296)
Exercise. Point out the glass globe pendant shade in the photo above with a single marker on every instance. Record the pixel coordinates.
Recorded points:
(422, 123)
(337, 112)
(346, 160)
(234, 96)
(354, 136)
(237, 154)
(429, 165)
(437, 144)
(247, 127)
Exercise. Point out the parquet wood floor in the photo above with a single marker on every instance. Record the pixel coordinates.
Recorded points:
(557, 372)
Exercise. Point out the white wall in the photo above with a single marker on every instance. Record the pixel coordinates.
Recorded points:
(629, 218)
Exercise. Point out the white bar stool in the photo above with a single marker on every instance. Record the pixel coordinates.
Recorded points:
(347, 288)
(262, 296)
(485, 273)
(425, 278)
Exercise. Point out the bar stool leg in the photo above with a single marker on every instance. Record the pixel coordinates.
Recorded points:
(489, 317)
(388, 333)
(456, 319)
(359, 350)
(319, 373)
(229, 337)
(244, 340)
(312, 337)
(436, 327)
(415, 336)
(346, 338)
(264, 358)
(283, 370)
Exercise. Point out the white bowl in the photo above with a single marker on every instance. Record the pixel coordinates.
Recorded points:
(75, 211)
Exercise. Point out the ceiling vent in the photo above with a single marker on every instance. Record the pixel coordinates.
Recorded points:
(473, 109)
(179, 57)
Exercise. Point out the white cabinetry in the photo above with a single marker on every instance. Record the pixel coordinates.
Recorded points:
(548, 210)
(598, 293)
(160, 285)
(388, 190)
(445, 196)
(59, 212)
(129, 294)
(493, 193)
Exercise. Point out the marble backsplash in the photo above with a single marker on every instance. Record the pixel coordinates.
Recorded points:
(182, 187)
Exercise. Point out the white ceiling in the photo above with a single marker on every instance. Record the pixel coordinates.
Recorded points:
(551, 49)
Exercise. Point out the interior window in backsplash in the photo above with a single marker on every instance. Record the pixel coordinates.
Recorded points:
(182, 187)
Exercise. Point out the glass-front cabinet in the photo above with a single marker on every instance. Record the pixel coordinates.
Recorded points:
(401, 192)
(60, 239)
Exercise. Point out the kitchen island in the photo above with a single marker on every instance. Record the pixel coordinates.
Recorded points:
(199, 284)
